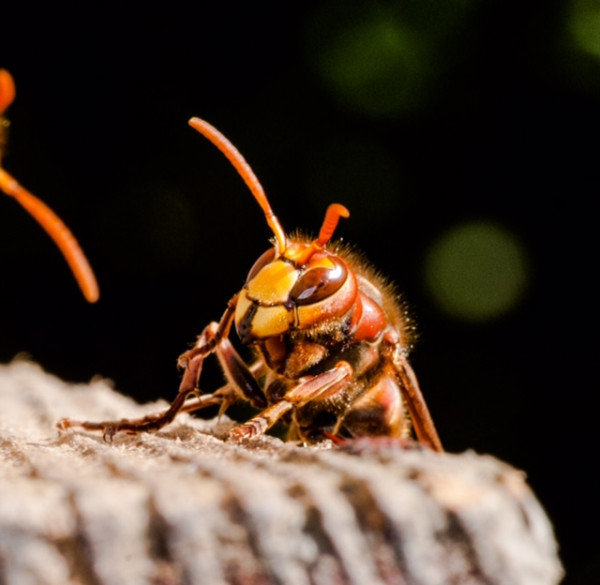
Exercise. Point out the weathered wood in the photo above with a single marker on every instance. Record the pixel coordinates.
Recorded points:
(185, 506)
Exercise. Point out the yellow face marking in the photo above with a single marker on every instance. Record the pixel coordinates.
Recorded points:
(272, 285)
(270, 321)
(266, 321)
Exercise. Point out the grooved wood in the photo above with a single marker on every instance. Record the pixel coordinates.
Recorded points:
(185, 506)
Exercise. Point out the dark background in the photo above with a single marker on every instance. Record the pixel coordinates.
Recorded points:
(489, 111)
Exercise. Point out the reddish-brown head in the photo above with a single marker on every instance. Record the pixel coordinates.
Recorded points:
(296, 284)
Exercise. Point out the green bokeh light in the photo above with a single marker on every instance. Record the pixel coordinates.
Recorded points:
(376, 66)
(584, 26)
(386, 59)
(477, 271)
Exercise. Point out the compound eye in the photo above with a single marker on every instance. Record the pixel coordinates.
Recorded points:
(319, 283)
(262, 261)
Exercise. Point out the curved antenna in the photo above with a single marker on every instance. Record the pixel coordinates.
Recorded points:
(247, 174)
(59, 232)
(52, 224)
(332, 218)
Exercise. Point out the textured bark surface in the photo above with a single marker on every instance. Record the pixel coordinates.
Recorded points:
(185, 506)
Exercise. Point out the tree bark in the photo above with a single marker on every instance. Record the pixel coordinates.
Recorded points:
(186, 506)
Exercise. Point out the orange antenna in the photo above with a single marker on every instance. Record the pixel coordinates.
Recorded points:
(332, 217)
(51, 223)
(58, 231)
(247, 174)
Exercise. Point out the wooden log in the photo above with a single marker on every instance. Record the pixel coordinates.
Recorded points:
(186, 506)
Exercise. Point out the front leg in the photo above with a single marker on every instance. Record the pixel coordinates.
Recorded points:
(149, 423)
(156, 421)
(309, 388)
(213, 339)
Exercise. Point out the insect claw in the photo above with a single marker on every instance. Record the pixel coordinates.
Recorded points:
(244, 432)
(63, 424)
(109, 433)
